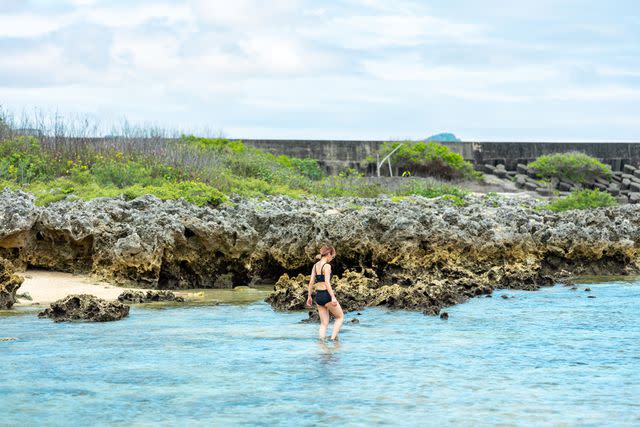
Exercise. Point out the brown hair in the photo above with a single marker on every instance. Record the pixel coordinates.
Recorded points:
(326, 250)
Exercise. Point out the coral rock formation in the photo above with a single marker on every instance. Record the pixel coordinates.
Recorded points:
(9, 284)
(416, 253)
(86, 308)
(138, 297)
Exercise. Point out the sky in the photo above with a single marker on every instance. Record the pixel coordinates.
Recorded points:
(491, 70)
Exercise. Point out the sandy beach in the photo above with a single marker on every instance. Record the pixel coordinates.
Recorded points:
(45, 287)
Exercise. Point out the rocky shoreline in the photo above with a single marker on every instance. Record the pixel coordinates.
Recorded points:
(415, 253)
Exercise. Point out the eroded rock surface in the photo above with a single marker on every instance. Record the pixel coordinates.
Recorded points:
(139, 297)
(357, 290)
(9, 284)
(417, 253)
(85, 308)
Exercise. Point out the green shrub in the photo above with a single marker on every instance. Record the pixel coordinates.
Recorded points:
(259, 188)
(347, 186)
(197, 193)
(308, 168)
(121, 172)
(430, 189)
(455, 200)
(582, 199)
(216, 144)
(22, 160)
(428, 159)
(573, 166)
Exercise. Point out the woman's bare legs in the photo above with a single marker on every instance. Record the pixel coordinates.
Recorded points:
(339, 315)
(324, 321)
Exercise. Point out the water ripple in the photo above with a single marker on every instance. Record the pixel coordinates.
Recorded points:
(551, 357)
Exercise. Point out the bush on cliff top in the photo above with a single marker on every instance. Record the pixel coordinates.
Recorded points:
(428, 159)
(573, 167)
(582, 199)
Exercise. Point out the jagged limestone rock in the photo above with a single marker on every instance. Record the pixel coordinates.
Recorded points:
(9, 284)
(448, 252)
(139, 297)
(85, 308)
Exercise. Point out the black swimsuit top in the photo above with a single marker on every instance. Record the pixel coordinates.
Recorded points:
(320, 277)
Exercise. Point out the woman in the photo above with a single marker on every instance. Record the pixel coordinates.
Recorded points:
(325, 298)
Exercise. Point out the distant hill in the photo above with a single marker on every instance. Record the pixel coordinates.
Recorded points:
(443, 137)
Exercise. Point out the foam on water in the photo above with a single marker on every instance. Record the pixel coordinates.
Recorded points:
(553, 357)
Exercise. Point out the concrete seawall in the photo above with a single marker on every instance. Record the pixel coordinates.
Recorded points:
(336, 155)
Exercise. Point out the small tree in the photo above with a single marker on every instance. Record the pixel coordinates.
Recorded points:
(427, 159)
(573, 166)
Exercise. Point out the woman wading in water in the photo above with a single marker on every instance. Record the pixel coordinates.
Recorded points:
(325, 298)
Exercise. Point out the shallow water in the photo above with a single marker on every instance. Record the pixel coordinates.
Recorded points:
(553, 357)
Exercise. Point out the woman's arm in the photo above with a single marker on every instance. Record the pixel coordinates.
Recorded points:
(312, 280)
(326, 270)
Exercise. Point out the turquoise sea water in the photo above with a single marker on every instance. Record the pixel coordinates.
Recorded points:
(553, 357)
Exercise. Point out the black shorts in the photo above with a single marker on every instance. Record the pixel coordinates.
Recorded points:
(322, 297)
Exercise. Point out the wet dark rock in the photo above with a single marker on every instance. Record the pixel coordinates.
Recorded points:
(444, 315)
(587, 289)
(9, 284)
(573, 288)
(591, 296)
(87, 308)
(488, 296)
(313, 317)
(139, 297)
(354, 321)
(504, 296)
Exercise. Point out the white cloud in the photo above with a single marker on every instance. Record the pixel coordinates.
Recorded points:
(411, 68)
(30, 26)
(287, 67)
(598, 93)
(618, 71)
(136, 15)
(381, 31)
(80, 3)
(246, 15)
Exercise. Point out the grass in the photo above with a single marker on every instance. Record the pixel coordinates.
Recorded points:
(582, 199)
(571, 167)
(204, 171)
